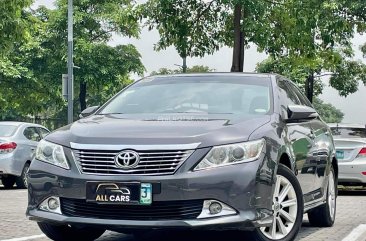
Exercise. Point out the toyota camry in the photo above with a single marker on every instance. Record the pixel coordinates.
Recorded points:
(218, 151)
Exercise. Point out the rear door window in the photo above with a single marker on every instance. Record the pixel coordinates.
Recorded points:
(346, 132)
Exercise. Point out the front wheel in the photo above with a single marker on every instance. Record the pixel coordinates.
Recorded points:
(66, 232)
(287, 207)
(324, 215)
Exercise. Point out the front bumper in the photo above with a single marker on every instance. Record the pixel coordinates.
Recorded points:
(351, 172)
(245, 187)
(7, 165)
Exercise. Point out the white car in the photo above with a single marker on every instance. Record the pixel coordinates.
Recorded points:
(350, 143)
(18, 141)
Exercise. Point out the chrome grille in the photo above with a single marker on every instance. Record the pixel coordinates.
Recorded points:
(159, 162)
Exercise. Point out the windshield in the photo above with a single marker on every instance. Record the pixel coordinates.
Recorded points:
(196, 94)
(349, 132)
(7, 130)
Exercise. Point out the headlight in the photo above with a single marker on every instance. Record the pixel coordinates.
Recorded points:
(51, 153)
(231, 154)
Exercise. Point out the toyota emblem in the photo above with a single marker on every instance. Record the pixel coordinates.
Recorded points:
(127, 159)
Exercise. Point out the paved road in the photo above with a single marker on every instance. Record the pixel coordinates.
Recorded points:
(350, 214)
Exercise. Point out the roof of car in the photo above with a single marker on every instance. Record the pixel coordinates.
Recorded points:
(263, 75)
(346, 125)
(17, 123)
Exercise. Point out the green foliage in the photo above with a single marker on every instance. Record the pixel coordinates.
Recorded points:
(328, 112)
(193, 69)
(314, 37)
(101, 68)
(193, 27)
(31, 76)
(289, 68)
(13, 25)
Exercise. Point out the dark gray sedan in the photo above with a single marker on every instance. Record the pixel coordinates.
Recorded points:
(201, 151)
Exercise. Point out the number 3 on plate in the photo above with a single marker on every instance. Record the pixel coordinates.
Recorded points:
(145, 193)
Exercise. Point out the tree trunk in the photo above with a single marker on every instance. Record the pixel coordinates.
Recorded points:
(82, 96)
(309, 87)
(238, 50)
(184, 66)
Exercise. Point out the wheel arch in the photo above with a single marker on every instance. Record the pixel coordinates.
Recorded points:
(286, 160)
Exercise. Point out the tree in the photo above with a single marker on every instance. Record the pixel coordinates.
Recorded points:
(193, 69)
(20, 91)
(100, 68)
(328, 112)
(14, 26)
(193, 27)
(314, 37)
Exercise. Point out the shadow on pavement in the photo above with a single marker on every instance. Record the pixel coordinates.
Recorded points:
(181, 236)
(352, 192)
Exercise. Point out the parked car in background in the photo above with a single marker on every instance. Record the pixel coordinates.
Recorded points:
(200, 151)
(18, 142)
(350, 143)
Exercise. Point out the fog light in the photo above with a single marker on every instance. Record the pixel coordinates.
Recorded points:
(215, 208)
(53, 203)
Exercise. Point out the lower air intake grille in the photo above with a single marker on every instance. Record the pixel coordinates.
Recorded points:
(169, 210)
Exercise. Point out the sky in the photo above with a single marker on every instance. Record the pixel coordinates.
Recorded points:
(351, 106)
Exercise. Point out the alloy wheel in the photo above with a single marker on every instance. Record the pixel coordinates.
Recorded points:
(284, 209)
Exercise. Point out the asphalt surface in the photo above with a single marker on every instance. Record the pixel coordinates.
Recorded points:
(351, 212)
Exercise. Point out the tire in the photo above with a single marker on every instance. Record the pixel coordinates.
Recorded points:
(324, 215)
(288, 219)
(8, 181)
(22, 181)
(65, 232)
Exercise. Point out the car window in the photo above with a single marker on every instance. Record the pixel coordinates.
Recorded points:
(208, 95)
(346, 132)
(286, 95)
(7, 130)
(31, 134)
(43, 132)
(302, 98)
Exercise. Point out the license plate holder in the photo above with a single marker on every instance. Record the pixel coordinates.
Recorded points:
(123, 193)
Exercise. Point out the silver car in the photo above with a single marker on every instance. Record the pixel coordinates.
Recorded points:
(18, 141)
(350, 143)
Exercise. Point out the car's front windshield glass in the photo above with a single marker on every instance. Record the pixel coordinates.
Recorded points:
(349, 132)
(7, 130)
(195, 94)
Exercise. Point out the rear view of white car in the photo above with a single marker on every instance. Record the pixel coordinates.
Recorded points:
(350, 143)
(18, 142)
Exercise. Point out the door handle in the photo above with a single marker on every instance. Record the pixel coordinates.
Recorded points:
(312, 135)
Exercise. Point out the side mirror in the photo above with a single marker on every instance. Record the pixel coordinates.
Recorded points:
(88, 111)
(300, 112)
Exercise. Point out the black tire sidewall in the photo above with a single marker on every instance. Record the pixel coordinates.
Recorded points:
(289, 175)
(20, 180)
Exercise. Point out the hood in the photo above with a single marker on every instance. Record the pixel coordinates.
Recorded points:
(117, 129)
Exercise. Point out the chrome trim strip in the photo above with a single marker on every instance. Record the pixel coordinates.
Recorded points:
(103, 147)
